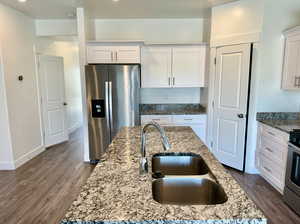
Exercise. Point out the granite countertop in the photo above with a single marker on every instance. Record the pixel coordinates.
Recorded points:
(283, 125)
(116, 193)
(172, 109)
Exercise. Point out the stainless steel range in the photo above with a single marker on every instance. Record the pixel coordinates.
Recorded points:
(292, 180)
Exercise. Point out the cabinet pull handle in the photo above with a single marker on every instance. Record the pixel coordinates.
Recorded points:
(116, 57)
(112, 56)
(188, 119)
(270, 150)
(269, 170)
(173, 81)
(169, 80)
(155, 119)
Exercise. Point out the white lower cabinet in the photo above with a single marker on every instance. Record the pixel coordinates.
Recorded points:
(271, 155)
(196, 122)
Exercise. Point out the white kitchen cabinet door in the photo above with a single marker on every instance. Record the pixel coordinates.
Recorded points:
(127, 54)
(188, 66)
(291, 70)
(156, 67)
(113, 54)
(100, 54)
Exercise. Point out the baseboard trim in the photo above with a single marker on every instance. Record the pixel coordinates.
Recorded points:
(74, 128)
(28, 156)
(7, 166)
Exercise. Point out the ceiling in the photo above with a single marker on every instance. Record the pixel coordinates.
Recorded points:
(63, 9)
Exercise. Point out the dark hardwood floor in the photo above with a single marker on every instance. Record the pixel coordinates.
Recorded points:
(43, 189)
(266, 198)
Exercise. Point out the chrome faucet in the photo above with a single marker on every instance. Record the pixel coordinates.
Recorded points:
(164, 139)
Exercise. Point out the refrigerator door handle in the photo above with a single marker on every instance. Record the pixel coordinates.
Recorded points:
(110, 106)
(107, 106)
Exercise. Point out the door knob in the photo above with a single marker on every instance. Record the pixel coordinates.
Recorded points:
(240, 115)
(65, 104)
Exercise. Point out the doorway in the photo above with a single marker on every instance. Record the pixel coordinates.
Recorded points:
(230, 104)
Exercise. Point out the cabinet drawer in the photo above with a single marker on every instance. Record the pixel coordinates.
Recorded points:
(162, 120)
(274, 150)
(189, 119)
(275, 135)
(272, 172)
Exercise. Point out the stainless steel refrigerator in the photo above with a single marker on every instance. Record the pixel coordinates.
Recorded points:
(113, 98)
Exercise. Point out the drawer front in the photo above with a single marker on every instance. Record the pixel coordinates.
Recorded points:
(274, 150)
(275, 135)
(162, 120)
(272, 172)
(189, 119)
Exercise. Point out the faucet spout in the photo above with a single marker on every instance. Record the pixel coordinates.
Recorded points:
(164, 139)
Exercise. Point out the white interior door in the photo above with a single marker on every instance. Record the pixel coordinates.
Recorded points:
(52, 88)
(230, 104)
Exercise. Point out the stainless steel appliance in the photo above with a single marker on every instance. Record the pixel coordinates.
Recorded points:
(292, 180)
(113, 97)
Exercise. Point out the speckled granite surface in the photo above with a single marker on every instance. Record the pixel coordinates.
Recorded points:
(283, 121)
(116, 193)
(172, 109)
(283, 125)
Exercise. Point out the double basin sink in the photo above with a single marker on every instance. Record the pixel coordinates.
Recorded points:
(179, 180)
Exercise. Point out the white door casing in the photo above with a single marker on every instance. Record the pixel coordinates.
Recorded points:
(231, 104)
(52, 90)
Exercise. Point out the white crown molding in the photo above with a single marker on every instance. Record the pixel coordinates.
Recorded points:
(236, 39)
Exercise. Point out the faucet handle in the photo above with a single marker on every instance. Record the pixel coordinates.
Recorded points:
(143, 166)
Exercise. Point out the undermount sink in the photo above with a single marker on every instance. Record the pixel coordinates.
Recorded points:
(178, 164)
(187, 191)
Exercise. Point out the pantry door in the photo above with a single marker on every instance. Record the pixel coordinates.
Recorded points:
(52, 89)
(231, 104)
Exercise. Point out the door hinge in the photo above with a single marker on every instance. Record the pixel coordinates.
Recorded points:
(215, 61)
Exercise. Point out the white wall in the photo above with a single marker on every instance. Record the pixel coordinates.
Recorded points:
(17, 35)
(52, 27)
(170, 95)
(237, 22)
(67, 49)
(277, 18)
(150, 30)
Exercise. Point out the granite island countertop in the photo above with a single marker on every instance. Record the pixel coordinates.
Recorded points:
(116, 193)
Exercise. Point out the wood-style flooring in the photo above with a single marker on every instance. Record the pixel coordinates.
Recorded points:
(41, 191)
(266, 198)
(44, 188)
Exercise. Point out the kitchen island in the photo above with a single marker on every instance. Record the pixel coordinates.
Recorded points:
(116, 193)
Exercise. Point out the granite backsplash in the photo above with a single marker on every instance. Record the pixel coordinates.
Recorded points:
(278, 116)
(160, 109)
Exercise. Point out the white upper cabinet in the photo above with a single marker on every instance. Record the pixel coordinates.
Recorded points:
(291, 66)
(113, 54)
(188, 66)
(177, 66)
(156, 67)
